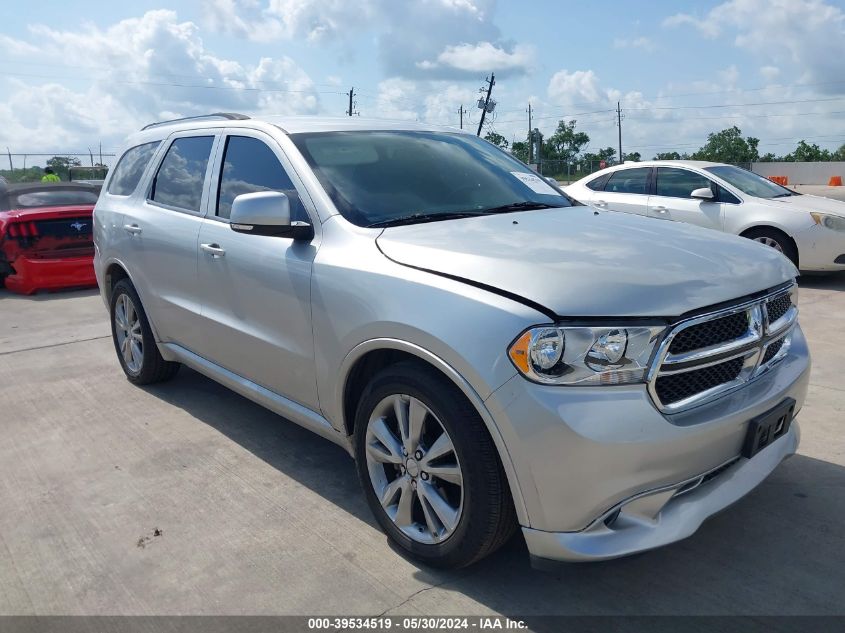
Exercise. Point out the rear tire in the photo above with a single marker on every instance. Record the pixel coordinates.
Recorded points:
(133, 339)
(459, 508)
(776, 239)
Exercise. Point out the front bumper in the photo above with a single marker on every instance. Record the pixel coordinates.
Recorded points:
(32, 274)
(580, 454)
(819, 248)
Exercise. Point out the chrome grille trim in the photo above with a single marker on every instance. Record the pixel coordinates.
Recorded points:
(751, 346)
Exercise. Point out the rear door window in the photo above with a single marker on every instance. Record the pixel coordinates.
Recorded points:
(181, 176)
(629, 181)
(130, 168)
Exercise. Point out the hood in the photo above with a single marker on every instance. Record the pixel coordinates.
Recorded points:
(807, 203)
(577, 262)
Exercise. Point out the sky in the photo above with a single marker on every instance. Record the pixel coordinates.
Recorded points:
(74, 75)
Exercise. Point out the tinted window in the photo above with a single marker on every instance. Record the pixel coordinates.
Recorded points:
(181, 176)
(726, 196)
(597, 184)
(679, 183)
(629, 181)
(130, 168)
(377, 177)
(750, 183)
(54, 198)
(250, 166)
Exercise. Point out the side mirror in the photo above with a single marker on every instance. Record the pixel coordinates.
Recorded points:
(267, 213)
(705, 193)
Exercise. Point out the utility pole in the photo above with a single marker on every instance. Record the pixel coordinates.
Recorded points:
(461, 113)
(9, 152)
(101, 152)
(619, 123)
(490, 83)
(351, 94)
(530, 148)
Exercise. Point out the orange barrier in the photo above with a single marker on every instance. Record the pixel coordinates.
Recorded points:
(835, 181)
(781, 180)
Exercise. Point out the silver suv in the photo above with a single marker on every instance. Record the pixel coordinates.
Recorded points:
(490, 352)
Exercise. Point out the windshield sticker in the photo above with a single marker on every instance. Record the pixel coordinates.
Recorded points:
(535, 183)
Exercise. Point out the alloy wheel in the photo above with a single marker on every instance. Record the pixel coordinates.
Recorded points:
(130, 339)
(414, 469)
(768, 241)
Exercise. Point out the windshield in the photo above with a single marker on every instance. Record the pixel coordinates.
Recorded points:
(749, 182)
(383, 177)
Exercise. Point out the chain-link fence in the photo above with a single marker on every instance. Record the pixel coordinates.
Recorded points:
(570, 171)
(29, 166)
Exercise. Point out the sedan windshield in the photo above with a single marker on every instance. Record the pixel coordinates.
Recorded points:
(384, 178)
(749, 182)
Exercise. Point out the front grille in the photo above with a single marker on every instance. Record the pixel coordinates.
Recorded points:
(710, 354)
(778, 306)
(771, 351)
(676, 387)
(710, 333)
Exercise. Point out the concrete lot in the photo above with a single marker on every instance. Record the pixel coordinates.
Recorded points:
(185, 498)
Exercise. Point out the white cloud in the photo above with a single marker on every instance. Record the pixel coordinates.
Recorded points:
(426, 39)
(482, 57)
(149, 68)
(579, 87)
(808, 35)
(770, 73)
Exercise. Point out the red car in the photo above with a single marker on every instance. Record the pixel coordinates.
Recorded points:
(46, 236)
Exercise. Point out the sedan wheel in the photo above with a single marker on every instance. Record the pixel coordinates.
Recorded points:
(770, 241)
(413, 469)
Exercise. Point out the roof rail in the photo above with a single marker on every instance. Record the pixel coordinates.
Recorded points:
(231, 116)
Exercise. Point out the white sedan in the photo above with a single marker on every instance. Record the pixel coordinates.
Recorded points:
(809, 230)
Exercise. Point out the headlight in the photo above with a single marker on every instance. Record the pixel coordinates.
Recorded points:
(832, 222)
(584, 355)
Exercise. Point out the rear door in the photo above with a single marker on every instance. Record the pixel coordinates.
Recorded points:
(256, 289)
(625, 190)
(672, 199)
(161, 251)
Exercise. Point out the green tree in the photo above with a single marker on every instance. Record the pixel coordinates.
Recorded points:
(839, 154)
(519, 149)
(565, 144)
(728, 146)
(497, 139)
(769, 157)
(667, 156)
(634, 156)
(808, 153)
(60, 165)
(608, 154)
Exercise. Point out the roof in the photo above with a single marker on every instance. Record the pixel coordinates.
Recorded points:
(701, 164)
(287, 124)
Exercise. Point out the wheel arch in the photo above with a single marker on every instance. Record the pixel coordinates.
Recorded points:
(770, 226)
(114, 271)
(373, 355)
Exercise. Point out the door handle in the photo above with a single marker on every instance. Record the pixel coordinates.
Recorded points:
(214, 250)
(132, 229)
(660, 209)
(600, 203)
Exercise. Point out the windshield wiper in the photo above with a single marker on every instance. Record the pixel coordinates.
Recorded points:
(418, 218)
(526, 205)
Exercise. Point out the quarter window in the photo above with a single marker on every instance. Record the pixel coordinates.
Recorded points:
(130, 168)
(249, 165)
(597, 184)
(629, 181)
(679, 183)
(179, 181)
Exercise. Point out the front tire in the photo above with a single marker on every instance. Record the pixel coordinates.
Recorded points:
(133, 339)
(775, 239)
(429, 469)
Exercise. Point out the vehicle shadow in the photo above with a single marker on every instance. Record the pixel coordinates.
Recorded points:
(779, 551)
(823, 281)
(49, 295)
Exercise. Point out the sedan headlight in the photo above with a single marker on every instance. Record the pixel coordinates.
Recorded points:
(832, 222)
(585, 355)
